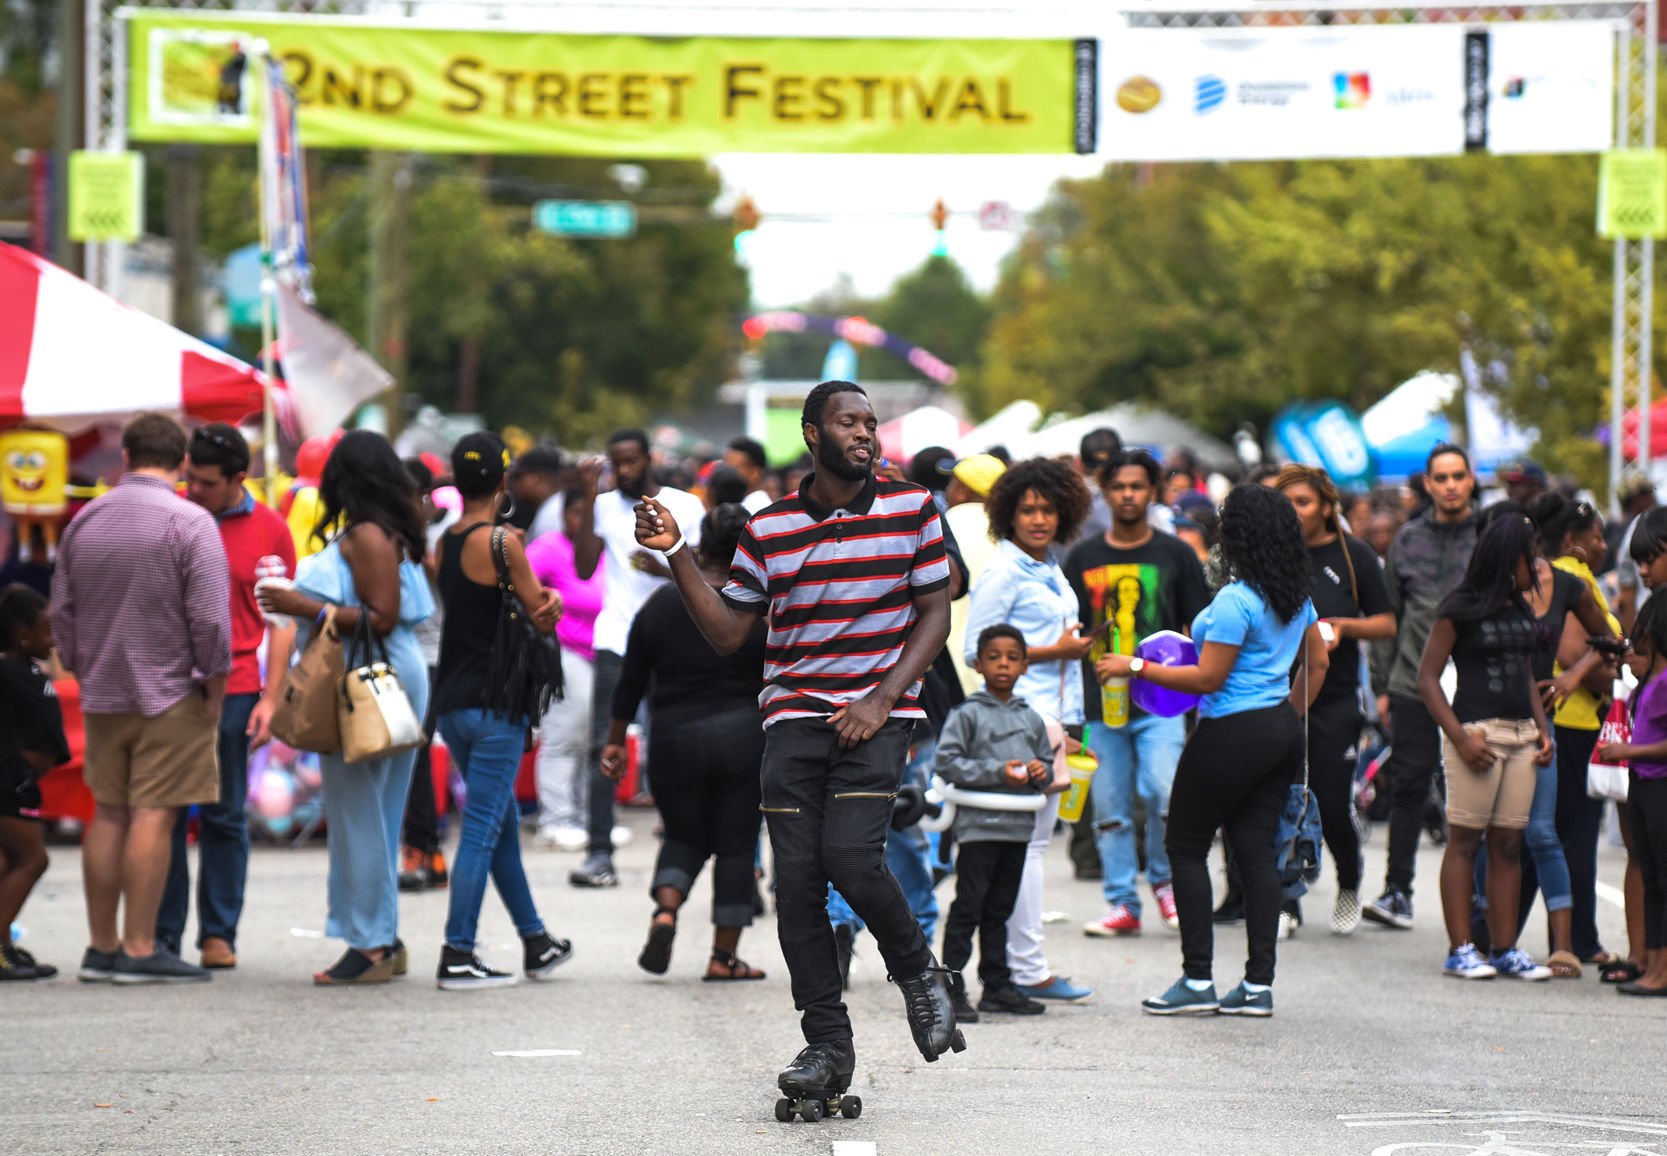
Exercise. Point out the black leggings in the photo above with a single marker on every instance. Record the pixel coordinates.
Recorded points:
(1647, 804)
(1235, 774)
(1333, 739)
(704, 777)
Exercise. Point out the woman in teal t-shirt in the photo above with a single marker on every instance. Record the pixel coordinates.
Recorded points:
(1236, 770)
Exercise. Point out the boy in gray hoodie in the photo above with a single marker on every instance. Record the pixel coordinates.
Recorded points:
(991, 742)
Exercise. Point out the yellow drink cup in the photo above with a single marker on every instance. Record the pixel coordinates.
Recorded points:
(1082, 766)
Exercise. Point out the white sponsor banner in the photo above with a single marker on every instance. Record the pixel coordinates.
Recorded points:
(1278, 93)
(1551, 87)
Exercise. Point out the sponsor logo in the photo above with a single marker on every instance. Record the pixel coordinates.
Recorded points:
(1515, 87)
(1209, 93)
(1271, 93)
(1352, 89)
(1139, 94)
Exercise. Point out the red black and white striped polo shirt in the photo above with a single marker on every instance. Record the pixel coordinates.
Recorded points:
(838, 588)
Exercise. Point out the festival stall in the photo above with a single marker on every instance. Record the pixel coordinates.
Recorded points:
(73, 359)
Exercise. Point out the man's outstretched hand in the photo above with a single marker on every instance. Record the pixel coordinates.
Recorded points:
(656, 528)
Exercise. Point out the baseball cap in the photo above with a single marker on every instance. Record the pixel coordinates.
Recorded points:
(979, 473)
(1634, 484)
(1523, 470)
(478, 458)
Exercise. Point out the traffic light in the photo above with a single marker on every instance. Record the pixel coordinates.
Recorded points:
(940, 218)
(744, 218)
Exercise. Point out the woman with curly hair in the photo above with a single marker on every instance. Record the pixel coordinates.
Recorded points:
(1238, 765)
(1034, 507)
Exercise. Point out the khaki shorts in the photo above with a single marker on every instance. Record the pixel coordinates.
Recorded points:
(171, 760)
(1502, 795)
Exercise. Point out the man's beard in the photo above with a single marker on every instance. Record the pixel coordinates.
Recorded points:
(635, 490)
(829, 458)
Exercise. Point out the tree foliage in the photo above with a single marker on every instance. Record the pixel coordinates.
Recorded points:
(1225, 292)
(573, 337)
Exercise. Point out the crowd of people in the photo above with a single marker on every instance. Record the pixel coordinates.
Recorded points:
(814, 649)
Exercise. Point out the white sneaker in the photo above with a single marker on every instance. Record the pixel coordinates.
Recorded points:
(1345, 914)
(623, 835)
(1288, 925)
(562, 838)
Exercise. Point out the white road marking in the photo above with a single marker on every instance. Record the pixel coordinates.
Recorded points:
(855, 1148)
(1611, 894)
(1508, 1116)
(306, 933)
(539, 1053)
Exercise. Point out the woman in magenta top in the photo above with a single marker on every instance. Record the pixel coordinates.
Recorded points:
(564, 735)
(1647, 787)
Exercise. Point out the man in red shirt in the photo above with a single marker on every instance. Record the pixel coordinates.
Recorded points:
(217, 463)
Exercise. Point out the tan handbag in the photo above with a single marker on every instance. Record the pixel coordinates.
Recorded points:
(305, 716)
(373, 711)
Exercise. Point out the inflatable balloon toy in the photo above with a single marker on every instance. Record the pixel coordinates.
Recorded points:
(34, 476)
(947, 796)
(1165, 648)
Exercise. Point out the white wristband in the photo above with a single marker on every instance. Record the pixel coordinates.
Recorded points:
(675, 547)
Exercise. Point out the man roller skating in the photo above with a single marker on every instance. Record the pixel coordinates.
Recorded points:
(851, 574)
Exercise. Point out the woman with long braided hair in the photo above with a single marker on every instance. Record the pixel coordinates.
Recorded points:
(1352, 600)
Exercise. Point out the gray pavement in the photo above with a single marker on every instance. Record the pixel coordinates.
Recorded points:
(1372, 1050)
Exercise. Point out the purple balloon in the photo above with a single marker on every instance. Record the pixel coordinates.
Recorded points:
(1165, 648)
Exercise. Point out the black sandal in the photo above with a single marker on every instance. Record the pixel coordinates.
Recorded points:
(656, 953)
(1621, 971)
(740, 970)
(356, 967)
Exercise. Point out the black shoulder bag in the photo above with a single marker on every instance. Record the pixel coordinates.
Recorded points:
(526, 663)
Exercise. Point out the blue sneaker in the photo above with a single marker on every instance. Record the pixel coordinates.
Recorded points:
(1514, 963)
(1240, 1002)
(1465, 962)
(1181, 1000)
(1059, 989)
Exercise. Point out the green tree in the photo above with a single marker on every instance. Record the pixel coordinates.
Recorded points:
(1225, 292)
(935, 307)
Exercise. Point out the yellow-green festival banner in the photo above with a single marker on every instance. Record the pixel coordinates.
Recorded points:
(428, 89)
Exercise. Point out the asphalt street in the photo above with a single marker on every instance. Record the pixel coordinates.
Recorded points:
(1372, 1049)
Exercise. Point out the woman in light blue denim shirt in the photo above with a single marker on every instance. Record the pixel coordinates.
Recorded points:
(1034, 507)
(372, 566)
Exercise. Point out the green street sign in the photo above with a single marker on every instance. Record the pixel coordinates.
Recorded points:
(586, 218)
(1632, 194)
(106, 196)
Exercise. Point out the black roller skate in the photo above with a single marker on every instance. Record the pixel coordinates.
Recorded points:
(931, 1011)
(814, 1083)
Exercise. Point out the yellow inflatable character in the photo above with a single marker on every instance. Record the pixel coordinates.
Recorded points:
(34, 473)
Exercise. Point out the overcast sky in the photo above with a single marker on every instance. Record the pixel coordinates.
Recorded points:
(792, 260)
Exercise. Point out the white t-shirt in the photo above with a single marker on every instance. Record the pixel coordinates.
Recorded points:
(624, 587)
(756, 501)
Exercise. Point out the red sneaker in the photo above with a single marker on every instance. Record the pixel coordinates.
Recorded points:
(1165, 895)
(1119, 920)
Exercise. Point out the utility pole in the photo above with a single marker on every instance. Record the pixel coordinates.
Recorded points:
(185, 231)
(389, 273)
(70, 129)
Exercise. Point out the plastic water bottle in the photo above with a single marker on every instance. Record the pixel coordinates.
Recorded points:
(270, 570)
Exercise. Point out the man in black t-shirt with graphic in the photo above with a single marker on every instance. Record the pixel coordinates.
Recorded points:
(1131, 582)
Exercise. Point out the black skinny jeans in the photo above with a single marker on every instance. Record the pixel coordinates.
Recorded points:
(987, 876)
(1579, 820)
(1235, 774)
(1333, 738)
(1647, 804)
(422, 815)
(1413, 762)
(704, 776)
(600, 817)
(829, 811)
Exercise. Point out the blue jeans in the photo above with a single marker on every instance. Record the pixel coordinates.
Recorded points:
(1139, 757)
(486, 748)
(222, 843)
(907, 855)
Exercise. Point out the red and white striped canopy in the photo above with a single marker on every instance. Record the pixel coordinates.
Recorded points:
(71, 356)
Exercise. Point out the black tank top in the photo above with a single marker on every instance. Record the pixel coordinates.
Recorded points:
(466, 635)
